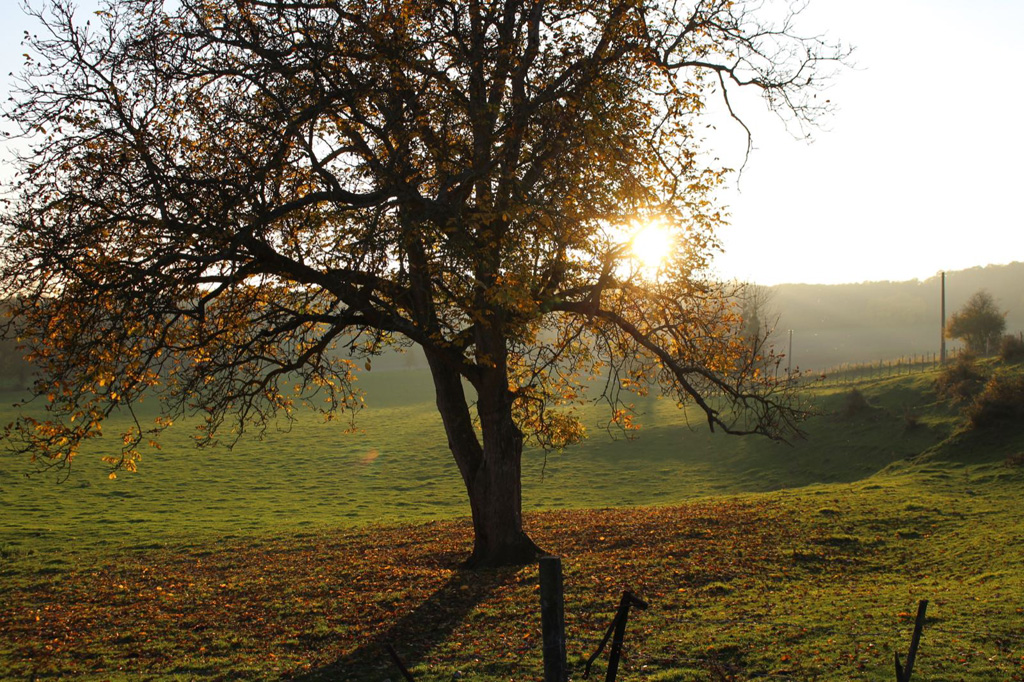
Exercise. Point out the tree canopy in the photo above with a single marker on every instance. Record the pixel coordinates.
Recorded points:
(979, 323)
(235, 203)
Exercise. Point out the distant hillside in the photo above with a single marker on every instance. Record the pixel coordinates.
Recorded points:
(831, 324)
(882, 320)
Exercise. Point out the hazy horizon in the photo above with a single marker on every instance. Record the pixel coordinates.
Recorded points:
(903, 280)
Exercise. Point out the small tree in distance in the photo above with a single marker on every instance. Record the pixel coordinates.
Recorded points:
(234, 204)
(760, 318)
(979, 323)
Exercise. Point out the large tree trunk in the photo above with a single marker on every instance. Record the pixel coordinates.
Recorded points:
(495, 493)
(491, 471)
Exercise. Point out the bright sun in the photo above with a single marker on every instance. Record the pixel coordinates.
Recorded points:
(652, 244)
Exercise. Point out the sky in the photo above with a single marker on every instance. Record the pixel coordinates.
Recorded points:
(919, 170)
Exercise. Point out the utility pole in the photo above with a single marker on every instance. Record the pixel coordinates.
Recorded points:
(789, 357)
(942, 330)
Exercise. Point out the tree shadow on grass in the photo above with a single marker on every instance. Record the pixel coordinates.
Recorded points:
(416, 633)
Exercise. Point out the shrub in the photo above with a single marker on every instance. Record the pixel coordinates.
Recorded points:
(1001, 401)
(855, 403)
(1011, 348)
(911, 420)
(959, 380)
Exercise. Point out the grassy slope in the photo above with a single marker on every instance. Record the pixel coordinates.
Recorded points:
(398, 468)
(816, 582)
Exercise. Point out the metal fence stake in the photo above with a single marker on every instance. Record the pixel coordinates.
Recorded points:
(903, 672)
(628, 599)
(398, 662)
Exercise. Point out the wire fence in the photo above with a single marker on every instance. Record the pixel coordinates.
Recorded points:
(735, 660)
(731, 666)
(728, 663)
(847, 373)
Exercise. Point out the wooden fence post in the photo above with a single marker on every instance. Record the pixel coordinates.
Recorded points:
(552, 619)
(903, 672)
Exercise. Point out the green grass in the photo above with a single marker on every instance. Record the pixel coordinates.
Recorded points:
(398, 468)
(269, 561)
(817, 583)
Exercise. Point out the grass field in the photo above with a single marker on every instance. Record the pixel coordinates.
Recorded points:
(398, 468)
(294, 557)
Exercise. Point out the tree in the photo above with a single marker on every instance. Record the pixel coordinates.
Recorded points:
(979, 324)
(760, 321)
(233, 205)
(13, 372)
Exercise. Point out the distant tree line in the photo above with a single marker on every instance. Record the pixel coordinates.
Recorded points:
(884, 304)
(15, 373)
(877, 321)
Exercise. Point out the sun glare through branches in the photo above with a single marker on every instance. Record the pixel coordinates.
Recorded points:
(652, 244)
